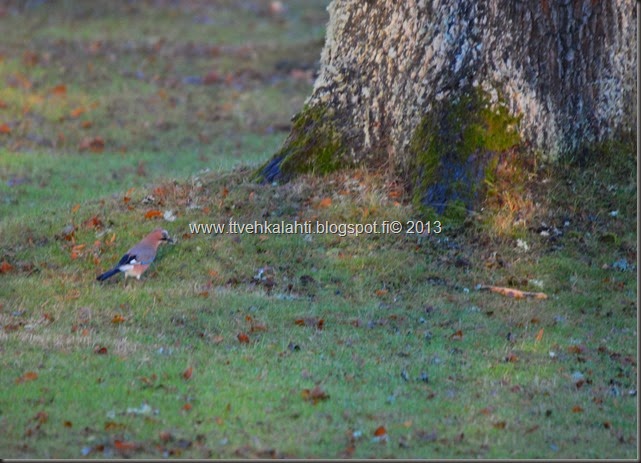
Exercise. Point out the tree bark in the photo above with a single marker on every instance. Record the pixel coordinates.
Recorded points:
(436, 90)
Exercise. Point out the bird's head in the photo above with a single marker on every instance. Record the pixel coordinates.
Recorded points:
(161, 235)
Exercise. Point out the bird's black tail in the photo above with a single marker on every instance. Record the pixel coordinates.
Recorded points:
(108, 274)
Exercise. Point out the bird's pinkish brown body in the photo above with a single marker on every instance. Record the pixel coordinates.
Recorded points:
(139, 258)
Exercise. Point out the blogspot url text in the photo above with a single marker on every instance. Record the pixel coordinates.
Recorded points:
(309, 227)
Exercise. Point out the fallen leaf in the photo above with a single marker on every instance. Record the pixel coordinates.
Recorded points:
(187, 407)
(381, 292)
(127, 196)
(380, 431)
(94, 144)
(118, 319)
(243, 338)
(30, 58)
(512, 358)
(113, 426)
(395, 193)
(153, 214)
(212, 77)
(41, 417)
(5, 267)
(499, 425)
(28, 376)
(576, 349)
(93, 222)
(187, 373)
(67, 424)
(577, 409)
(4, 128)
(310, 321)
(86, 124)
(539, 335)
(325, 202)
(122, 445)
(315, 395)
(457, 336)
(257, 327)
(100, 350)
(76, 112)
(76, 251)
(59, 90)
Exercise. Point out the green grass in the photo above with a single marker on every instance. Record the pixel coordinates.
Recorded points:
(505, 378)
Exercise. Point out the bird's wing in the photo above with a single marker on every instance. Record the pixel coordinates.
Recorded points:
(144, 254)
(128, 259)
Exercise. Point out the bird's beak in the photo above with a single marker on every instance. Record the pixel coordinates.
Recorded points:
(169, 239)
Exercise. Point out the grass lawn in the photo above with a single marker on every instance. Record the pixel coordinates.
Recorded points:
(119, 117)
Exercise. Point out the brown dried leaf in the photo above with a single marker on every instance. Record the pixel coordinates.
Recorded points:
(100, 350)
(59, 90)
(539, 335)
(118, 319)
(76, 112)
(5, 267)
(576, 349)
(310, 321)
(153, 214)
(315, 395)
(511, 358)
(28, 376)
(94, 144)
(380, 431)
(124, 446)
(93, 222)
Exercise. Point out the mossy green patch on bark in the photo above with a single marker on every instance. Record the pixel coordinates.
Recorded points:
(313, 146)
(455, 150)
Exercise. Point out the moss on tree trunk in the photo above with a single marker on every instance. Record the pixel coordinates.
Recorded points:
(437, 91)
(313, 146)
(455, 151)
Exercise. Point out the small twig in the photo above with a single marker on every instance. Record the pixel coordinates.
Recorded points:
(511, 292)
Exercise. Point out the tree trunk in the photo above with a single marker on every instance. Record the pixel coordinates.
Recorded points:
(439, 90)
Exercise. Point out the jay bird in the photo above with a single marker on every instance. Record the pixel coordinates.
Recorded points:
(139, 257)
